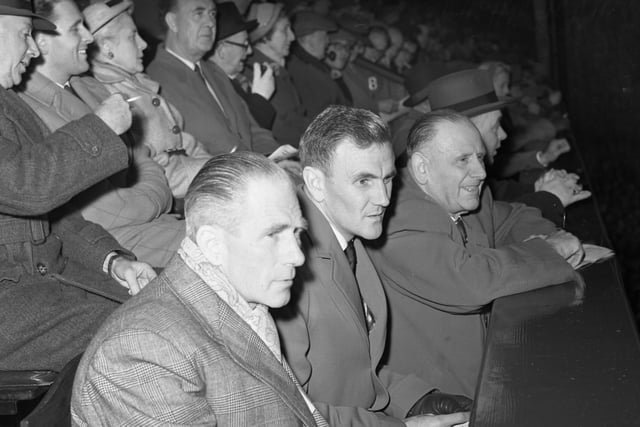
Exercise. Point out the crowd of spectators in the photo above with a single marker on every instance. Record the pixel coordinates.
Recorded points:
(297, 125)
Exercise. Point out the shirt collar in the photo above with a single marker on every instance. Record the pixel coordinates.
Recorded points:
(181, 59)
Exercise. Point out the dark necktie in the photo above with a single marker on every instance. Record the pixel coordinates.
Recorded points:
(69, 89)
(462, 229)
(350, 252)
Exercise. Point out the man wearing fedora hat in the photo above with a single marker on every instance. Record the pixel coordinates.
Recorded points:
(471, 92)
(309, 73)
(230, 52)
(49, 255)
(272, 39)
(450, 249)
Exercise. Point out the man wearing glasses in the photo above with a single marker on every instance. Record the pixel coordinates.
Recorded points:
(230, 54)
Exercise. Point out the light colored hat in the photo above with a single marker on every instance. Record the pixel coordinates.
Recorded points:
(100, 14)
(267, 15)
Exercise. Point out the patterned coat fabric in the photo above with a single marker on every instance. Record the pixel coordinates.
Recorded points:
(291, 117)
(439, 288)
(325, 339)
(313, 82)
(177, 354)
(219, 131)
(156, 123)
(131, 206)
(43, 248)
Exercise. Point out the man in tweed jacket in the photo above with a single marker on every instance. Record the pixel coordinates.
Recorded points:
(198, 346)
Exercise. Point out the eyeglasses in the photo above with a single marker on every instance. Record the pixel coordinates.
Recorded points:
(244, 45)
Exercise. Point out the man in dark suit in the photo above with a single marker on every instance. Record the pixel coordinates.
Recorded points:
(334, 330)
(48, 255)
(213, 112)
(198, 346)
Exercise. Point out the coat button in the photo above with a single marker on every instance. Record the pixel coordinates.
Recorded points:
(42, 269)
(94, 150)
(155, 102)
(175, 129)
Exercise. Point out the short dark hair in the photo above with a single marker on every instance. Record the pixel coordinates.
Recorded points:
(220, 187)
(426, 129)
(164, 7)
(44, 8)
(337, 124)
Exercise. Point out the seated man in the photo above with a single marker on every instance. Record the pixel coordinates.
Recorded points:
(230, 52)
(132, 205)
(214, 113)
(199, 346)
(450, 249)
(272, 39)
(334, 330)
(310, 75)
(49, 257)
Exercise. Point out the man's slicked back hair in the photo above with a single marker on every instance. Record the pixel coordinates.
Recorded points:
(219, 189)
(337, 124)
(425, 130)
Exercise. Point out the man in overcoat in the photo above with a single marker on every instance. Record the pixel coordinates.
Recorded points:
(198, 345)
(449, 250)
(335, 328)
(49, 256)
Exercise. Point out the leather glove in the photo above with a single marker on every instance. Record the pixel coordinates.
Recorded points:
(437, 403)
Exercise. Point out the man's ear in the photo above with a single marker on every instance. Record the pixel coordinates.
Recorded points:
(314, 183)
(43, 42)
(170, 20)
(419, 167)
(211, 241)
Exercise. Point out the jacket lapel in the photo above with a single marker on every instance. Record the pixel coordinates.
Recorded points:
(244, 346)
(341, 284)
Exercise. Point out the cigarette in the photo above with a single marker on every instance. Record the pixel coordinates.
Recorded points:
(133, 98)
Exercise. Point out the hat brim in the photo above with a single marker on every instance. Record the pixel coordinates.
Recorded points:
(116, 10)
(485, 108)
(39, 23)
(417, 98)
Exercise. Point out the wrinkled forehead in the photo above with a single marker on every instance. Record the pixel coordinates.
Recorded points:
(11, 24)
(189, 6)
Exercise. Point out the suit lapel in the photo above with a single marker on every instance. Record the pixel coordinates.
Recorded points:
(341, 283)
(244, 346)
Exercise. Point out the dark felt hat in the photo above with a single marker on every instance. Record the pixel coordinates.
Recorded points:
(23, 8)
(306, 22)
(469, 92)
(418, 79)
(231, 22)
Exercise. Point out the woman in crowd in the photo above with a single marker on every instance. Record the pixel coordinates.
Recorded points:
(116, 63)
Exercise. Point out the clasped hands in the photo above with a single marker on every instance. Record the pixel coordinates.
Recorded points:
(563, 185)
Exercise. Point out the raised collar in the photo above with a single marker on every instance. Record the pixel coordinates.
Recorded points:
(110, 74)
(305, 56)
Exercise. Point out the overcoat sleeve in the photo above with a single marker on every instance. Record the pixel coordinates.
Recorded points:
(41, 173)
(425, 259)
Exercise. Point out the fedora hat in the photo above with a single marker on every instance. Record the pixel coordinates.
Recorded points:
(23, 8)
(419, 78)
(100, 14)
(266, 15)
(231, 22)
(469, 92)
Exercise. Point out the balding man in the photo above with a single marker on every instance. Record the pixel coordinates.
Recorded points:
(450, 249)
(50, 257)
(199, 347)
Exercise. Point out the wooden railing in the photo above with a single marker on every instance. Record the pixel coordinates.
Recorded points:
(550, 361)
